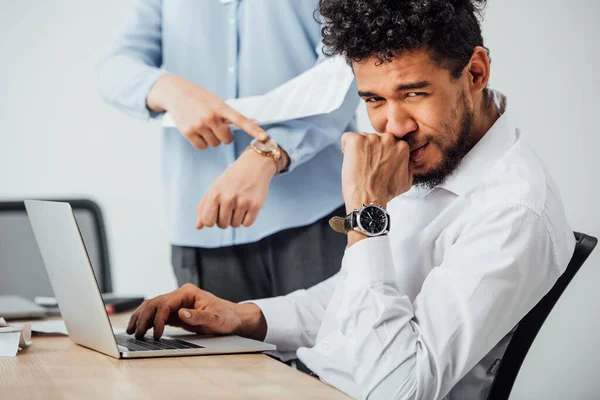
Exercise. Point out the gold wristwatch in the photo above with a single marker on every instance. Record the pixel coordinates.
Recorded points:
(269, 148)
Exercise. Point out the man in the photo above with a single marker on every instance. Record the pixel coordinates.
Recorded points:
(477, 236)
(228, 235)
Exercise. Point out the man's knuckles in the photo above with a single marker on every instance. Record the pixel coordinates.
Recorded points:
(387, 138)
(351, 140)
(188, 287)
(403, 146)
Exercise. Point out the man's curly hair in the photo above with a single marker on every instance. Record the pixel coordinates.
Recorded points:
(383, 29)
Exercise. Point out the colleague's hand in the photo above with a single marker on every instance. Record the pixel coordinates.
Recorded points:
(375, 169)
(237, 196)
(197, 311)
(200, 115)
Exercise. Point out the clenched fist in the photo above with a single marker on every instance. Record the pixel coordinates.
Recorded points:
(376, 169)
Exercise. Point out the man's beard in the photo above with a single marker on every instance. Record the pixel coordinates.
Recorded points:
(452, 155)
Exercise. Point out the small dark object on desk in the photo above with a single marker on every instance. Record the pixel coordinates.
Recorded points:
(114, 304)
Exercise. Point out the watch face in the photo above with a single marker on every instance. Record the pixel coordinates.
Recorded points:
(267, 147)
(373, 220)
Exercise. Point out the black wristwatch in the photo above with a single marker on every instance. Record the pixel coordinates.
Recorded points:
(371, 220)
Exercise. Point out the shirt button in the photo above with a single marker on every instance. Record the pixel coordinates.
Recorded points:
(325, 345)
(231, 70)
(231, 21)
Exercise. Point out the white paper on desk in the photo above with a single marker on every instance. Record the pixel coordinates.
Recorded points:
(320, 90)
(14, 337)
(9, 344)
(53, 326)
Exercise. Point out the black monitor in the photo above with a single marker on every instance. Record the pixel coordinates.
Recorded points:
(22, 270)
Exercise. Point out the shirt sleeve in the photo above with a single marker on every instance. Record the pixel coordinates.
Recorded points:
(385, 347)
(126, 74)
(294, 320)
(303, 138)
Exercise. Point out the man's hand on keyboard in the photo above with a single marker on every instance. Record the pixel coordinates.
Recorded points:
(198, 311)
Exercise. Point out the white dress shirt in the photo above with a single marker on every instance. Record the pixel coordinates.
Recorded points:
(425, 312)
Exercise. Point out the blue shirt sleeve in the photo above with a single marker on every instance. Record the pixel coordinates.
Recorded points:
(126, 74)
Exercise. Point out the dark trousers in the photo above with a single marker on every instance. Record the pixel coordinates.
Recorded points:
(289, 260)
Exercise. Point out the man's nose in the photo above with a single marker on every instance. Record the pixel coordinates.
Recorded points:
(399, 122)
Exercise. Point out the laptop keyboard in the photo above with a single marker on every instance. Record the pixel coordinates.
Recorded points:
(147, 343)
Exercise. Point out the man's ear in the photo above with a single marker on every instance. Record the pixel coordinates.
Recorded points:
(478, 69)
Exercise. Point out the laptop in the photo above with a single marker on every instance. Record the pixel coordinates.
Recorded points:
(78, 296)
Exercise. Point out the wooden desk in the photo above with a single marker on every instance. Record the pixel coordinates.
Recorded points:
(56, 368)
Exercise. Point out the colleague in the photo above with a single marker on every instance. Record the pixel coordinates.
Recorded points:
(477, 237)
(242, 224)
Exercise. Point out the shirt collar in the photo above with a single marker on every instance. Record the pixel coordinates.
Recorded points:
(490, 148)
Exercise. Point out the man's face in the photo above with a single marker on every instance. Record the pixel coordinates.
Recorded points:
(417, 101)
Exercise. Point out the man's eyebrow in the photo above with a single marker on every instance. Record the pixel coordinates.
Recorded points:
(400, 88)
(366, 94)
(413, 86)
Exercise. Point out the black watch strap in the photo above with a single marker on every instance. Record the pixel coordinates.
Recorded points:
(350, 221)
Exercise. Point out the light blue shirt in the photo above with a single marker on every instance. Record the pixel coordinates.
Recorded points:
(233, 48)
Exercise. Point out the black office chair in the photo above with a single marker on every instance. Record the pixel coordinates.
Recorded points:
(531, 324)
(22, 271)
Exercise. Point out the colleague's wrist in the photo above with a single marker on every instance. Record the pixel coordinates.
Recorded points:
(284, 161)
(163, 93)
(260, 162)
(253, 324)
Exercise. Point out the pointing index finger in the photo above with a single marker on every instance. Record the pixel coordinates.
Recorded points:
(244, 123)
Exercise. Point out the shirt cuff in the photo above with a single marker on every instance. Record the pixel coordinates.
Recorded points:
(276, 312)
(145, 88)
(368, 262)
(289, 136)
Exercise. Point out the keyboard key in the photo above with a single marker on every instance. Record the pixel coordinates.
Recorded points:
(148, 343)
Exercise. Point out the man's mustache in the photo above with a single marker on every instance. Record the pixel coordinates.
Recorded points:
(414, 142)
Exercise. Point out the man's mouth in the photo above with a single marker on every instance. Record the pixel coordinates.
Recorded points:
(417, 154)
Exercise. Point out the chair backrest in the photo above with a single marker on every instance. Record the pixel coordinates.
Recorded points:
(531, 324)
(22, 270)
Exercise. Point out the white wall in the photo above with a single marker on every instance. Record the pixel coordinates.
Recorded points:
(545, 57)
(58, 139)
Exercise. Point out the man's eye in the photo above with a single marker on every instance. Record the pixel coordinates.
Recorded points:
(414, 94)
(372, 99)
